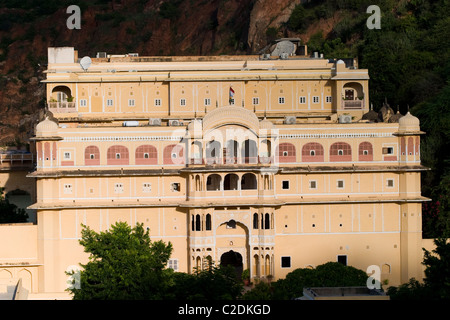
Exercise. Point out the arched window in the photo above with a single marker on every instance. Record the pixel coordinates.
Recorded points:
(249, 152)
(198, 223)
(312, 152)
(208, 222)
(230, 182)
(286, 152)
(146, 154)
(365, 151)
(248, 182)
(255, 221)
(340, 151)
(117, 155)
(213, 182)
(267, 221)
(92, 156)
(173, 154)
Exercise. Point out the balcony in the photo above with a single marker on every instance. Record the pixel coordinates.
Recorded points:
(353, 104)
(16, 159)
(62, 107)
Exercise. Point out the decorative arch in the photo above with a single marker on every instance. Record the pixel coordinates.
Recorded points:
(365, 151)
(340, 151)
(312, 152)
(249, 182)
(286, 152)
(91, 156)
(173, 154)
(146, 154)
(213, 182)
(117, 155)
(231, 182)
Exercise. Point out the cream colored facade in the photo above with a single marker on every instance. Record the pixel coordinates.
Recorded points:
(281, 174)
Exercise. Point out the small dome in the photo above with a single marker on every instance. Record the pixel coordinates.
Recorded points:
(46, 128)
(265, 124)
(408, 123)
(371, 116)
(340, 62)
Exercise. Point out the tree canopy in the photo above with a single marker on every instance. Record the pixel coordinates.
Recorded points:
(123, 264)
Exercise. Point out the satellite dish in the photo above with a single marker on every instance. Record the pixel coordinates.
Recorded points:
(85, 63)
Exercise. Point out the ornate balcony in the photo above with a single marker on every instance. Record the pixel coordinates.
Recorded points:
(353, 104)
(62, 107)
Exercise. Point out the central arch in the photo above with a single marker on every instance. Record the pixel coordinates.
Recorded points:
(234, 259)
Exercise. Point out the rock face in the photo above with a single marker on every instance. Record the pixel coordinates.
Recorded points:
(152, 27)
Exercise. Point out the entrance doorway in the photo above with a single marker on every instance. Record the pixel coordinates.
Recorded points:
(234, 259)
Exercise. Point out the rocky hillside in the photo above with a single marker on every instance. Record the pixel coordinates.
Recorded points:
(153, 27)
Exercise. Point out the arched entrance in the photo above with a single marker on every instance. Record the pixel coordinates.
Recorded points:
(234, 259)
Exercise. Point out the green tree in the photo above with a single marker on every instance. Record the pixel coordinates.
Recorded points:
(9, 212)
(436, 284)
(212, 283)
(330, 274)
(123, 264)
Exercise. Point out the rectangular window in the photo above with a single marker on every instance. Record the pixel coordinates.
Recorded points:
(255, 101)
(390, 183)
(118, 188)
(285, 262)
(328, 99)
(302, 100)
(340, 184)
(182, 102)
(281, 100)
(312, 184)
(67, 156)
(146, 187)
(131, 102)
(68, 189)
(157, 102)
(207, 101)
(83, 102)
(232, 101)
(316, 99)
(285, 185)
(342, 259)
(175, 187)
(173, 264)
(109, 102)
(388, 150)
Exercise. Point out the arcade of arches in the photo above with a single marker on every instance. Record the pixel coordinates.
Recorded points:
(233, 236)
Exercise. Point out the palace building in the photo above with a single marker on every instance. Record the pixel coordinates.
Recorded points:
(266, 162)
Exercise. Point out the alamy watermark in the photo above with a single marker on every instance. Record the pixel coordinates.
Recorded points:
(374, 21)
(74, 21)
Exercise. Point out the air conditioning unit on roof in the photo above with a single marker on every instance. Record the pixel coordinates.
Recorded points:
(345, 118)
(154, 121)
(290, 120)
(175, 123)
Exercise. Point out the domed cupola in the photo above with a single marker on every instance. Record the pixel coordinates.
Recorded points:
(408, 123)
(46, 128)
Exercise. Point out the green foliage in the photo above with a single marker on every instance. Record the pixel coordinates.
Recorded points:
(436, 284)
(9, 212)
(261, 291)
(330, 274)
(213, 283)
(123, 264)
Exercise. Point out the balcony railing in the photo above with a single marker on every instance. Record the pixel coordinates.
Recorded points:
(16, 159)
(62, 107)
(352, 104)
